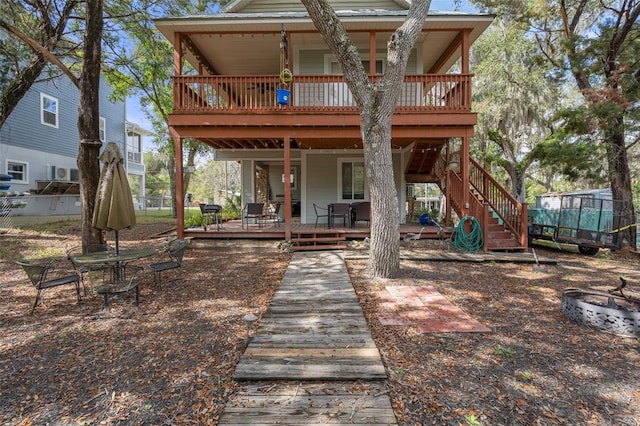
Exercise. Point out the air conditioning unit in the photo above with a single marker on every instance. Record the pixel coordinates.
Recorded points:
(63, 173)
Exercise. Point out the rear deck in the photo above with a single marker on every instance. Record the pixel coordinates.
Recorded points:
(233, 229)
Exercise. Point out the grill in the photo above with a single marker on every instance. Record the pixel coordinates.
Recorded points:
(210, 215)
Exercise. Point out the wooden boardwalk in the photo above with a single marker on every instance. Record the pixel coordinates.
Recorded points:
(313, 335)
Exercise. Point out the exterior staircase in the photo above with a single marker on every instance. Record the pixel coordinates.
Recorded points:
(318, 240)
(502, 218)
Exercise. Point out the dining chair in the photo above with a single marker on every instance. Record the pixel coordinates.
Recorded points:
(321, 212)
(273, 214)
(339, 210)
(253, 211)
(360, 212)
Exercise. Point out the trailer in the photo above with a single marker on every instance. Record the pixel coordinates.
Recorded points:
(585, 218)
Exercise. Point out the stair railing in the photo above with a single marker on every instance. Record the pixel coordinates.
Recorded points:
(512, 213)
(477, 207)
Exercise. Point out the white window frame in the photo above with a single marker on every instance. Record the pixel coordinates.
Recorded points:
(134, 147)
(44, 97)
(103, 129)
(25, 173)
(353, 160)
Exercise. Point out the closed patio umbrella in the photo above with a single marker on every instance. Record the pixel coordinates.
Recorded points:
(114, 205)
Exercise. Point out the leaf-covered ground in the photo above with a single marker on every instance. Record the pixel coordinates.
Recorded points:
(535, 367)
(170, 362)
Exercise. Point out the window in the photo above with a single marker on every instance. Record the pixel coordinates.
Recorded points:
(352, 180)
(18, 170)
(338, 93)
(48, 110)
(134, 147)
(103, 129)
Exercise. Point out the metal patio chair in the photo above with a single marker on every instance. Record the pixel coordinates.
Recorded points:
(83, 270)
(337, 211)
(123, 285)
(253, 211)
(321, 212)
(273, 215)
(360, 212)
(39, 274)
(175, 252)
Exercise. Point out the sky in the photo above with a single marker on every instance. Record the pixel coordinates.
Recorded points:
(137, 116)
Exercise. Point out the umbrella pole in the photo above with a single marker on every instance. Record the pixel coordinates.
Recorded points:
(117, 244)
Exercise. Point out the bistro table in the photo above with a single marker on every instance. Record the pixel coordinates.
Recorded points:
(117, 261)
(119, 283)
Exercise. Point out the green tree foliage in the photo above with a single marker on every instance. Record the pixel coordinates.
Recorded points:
(593, 45)
(515, 99)
(28, 32)
(141, 66)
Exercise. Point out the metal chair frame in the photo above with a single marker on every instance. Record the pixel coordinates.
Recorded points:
(175, 251)
(253, 211)
(319, 210)
(38, 274)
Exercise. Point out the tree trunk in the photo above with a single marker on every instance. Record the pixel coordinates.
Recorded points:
(88, 121)
(620, 181)
(376, 104)
(384, 258)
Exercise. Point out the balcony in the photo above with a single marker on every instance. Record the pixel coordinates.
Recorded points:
(423, 93)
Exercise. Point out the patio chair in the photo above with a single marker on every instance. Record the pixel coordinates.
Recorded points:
(253, 211)
(39, 274)
(273, 215)
(360, 212)
(120, 286)
(83, 270)
(339, 210)
(321, 212)
(175, 252)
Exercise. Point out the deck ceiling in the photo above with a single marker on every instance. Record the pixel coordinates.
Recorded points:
(242, 45)
(424, 155)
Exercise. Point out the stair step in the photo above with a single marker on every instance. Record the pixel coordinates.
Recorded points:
(317, 239)
(502, 235)
(320, 247)
(509, 244)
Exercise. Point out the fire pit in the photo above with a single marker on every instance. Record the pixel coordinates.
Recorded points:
(604, 311)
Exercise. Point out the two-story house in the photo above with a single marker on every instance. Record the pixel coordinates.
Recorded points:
(259, 85)
(39, 145)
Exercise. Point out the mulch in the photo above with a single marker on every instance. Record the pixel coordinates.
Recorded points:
(171, 361)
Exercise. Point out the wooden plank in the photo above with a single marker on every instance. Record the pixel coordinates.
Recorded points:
(312, 353)
(310, 403)
(247, 371)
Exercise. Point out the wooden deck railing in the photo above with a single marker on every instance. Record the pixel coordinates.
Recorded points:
(512, 213)
(488, 196)
(425, 92)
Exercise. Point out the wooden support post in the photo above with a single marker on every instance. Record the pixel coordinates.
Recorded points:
(177, 142)
(287, 188)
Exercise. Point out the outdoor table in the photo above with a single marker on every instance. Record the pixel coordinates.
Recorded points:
(111, 258)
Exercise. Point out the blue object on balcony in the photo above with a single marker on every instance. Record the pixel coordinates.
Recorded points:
(282, 96)
(4, 177)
